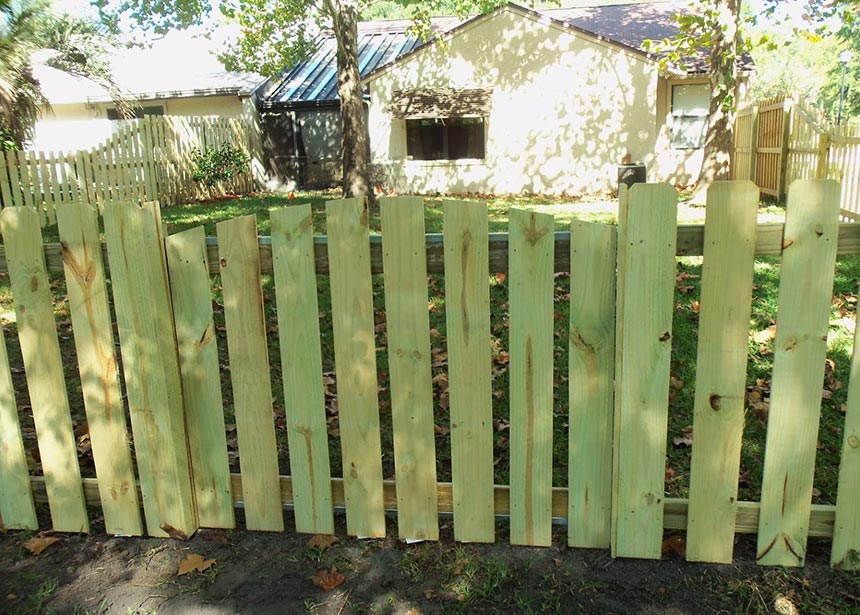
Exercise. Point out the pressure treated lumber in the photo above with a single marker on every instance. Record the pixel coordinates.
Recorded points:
(199, 370)
(531, 288)
(355, 366)
(43, 364)
(98, 367)
(141, 296)
(718, 415)
(845, 554)
(467, 293)
(591, 359)
(803, 314)
(301, 365)
(690, 243)
(408, 334)
(16, 497)
(647, 285)
(249, 372)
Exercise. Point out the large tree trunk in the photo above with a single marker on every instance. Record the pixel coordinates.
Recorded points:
(719, 140)
(356, 141)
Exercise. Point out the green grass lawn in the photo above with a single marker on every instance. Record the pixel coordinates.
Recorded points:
(683, 360)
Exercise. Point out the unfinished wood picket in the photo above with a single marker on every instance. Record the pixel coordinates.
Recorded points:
(621, 304)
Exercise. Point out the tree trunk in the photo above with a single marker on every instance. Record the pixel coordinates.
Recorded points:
(356, 140)
(719, 140)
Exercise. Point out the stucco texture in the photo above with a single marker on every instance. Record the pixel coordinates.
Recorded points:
(566, 107)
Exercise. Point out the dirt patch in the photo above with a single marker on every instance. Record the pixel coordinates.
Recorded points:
(257, 573)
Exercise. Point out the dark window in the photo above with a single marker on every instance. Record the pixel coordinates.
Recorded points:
(445, 138)
(112, 113)
(690, 108)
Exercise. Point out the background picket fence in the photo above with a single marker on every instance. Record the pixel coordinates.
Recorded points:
(622, 302)
(145, 159)
(780, 140)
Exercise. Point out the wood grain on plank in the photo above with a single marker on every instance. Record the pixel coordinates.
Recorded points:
(408, 335)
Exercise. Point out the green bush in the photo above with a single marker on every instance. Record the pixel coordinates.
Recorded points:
(213, 165)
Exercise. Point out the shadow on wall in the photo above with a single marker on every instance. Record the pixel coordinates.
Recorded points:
(566, 109)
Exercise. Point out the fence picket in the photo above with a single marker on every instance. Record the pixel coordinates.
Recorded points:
(43, 364)
(301, 363)
(249, 372)
(16, 497)
(846, 527)
(74, 186)
(14, 178)
(593, 249)
(199, 369)
(47, 189)
(97, 364)
(531, 288)
(408, 335)
(5, 186)
(355, 365)
(148, 343)
(56, 179)
(647, 284)
(467, 292)
(803, 312)
(724, 322)
(26, 184)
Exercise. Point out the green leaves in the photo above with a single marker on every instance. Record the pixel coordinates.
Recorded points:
(217, 164)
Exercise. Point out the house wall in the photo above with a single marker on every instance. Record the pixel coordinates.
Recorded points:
(83, 125)
(566, 109)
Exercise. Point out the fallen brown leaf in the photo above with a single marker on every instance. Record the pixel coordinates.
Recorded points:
(327, 580)
(173, 532)
(40, 543)
(676, 545)
(194, 562)
(322, 541)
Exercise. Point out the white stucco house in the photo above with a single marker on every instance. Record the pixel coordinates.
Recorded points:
(518, 100)
(176, 75)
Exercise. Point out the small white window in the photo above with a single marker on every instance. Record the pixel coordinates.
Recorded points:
(690, 107)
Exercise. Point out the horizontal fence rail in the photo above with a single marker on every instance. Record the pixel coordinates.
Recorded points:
(690, 242)
(620, 322)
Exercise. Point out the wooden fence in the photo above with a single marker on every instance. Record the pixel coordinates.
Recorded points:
(780, 140)
(621, 307)
(144, 160)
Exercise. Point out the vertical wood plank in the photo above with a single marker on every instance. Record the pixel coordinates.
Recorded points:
(301, 364)
(621, 277)
(249, 372)
(83, 173)
(408, 330)
(72, 174)
(5, 188)
(803, 314)
(355, 365)
(593, 253)
(43, 363)
(531, 288)
(150, 364)
(56, 179)
(47, 189)
(26, 182)
(845, 554)
(200, 372)
(467, 292)
(16, 496)
(14, 181)
(718, 414)
(648, 290)
(97, 364)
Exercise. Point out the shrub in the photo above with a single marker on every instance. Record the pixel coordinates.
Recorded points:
(213, 165)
